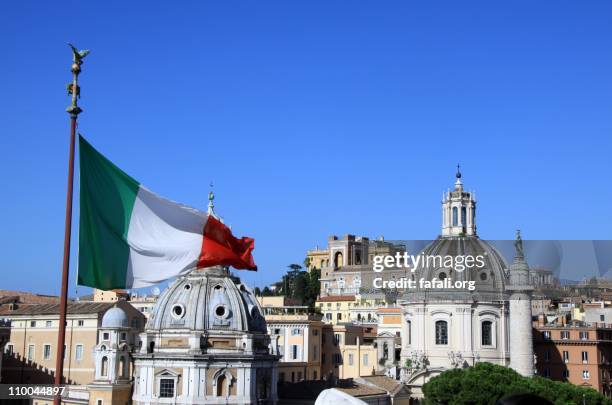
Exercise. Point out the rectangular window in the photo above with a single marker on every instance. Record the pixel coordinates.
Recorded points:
(337, 339)
(547, 372)
(47, 352)
(441, 333)
(565, 334)
(296, 332)
(314, 375)
(48, 324)
(315, 352)
(105, 336)
(547, 355)
(584, 335)
(339, 316)
(32, 324)
(585, 374)
(602, 318)
(565, 356)
(546, 335)
(281, 350)
(277, 331)
(350, 359)
(80, 322)
(328, 316)
(365, 359)
(585, 357)
(78, 352)
(30, 352)
(565, 373)
(299, 376)
(166, 388)
(9, 349)
(294, 352)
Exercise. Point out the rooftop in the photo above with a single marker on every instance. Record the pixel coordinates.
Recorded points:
(53, 309)
(336, 298)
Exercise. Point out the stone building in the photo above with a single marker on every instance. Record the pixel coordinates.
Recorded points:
(206, 341)
(450, 327)
(348, 268)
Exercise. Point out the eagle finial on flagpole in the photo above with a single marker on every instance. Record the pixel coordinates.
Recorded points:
(73, 88)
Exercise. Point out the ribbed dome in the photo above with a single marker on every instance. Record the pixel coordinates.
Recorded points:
(115, 318)
(488, 278)
(206, 300)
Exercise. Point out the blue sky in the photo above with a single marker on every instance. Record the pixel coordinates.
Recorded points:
(312, 117)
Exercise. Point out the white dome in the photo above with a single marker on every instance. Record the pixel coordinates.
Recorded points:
(205, 300)
(115, 318)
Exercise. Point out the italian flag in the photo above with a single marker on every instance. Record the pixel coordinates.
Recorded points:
(129, 237)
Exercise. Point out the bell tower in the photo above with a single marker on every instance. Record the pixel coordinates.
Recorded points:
(458, 210)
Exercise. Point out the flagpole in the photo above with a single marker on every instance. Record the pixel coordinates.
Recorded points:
(74, 110)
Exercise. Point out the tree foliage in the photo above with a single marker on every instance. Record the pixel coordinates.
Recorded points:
(486, 383)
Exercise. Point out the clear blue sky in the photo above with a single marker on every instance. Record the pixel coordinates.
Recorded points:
(312, 117)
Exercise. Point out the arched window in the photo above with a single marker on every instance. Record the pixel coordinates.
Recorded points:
(358, 257)
(441, 333)
(104, 367)
(463, 217)
(338, 260)
(486, 335)
(455, 216)
(221, 391)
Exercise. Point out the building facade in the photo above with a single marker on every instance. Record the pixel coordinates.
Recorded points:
(576, 352)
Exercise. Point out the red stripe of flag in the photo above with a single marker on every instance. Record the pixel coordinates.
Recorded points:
(220, 247)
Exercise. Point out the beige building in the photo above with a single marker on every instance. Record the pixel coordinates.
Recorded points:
(110, 295)
(32, 345)
(296, 336)
(317, 258)
(336, 308)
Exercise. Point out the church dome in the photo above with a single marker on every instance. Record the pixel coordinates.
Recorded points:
(115, 318)
(488, 275)
(207, 300)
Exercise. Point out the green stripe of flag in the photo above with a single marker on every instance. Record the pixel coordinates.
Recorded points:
(107, 196)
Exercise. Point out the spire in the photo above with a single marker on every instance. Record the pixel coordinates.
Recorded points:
(458, 183)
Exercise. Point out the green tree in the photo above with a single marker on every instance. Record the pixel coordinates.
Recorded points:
(485, 383)
(257, 291)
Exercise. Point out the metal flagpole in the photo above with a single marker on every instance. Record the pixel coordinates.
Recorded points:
(74, 110)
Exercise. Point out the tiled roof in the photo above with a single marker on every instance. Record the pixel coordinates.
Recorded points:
(336, 298)
(53, 309)
(30, 298)
(384, 382)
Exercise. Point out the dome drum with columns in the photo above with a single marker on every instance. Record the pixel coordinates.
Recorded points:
(449, 327)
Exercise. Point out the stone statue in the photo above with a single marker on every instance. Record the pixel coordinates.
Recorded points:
(518, 244)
